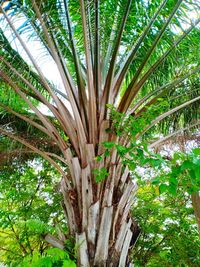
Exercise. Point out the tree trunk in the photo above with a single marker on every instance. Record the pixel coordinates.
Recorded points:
(98, 214)
(196, 206)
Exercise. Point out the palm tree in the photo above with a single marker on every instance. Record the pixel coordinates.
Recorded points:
(125, 56)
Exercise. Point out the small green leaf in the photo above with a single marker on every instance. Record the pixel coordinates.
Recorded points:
(110, 106)
(121, 150)
(197, 172)
(140, 152)
(99, 157)
(187, 165)
(107, 153)
(100, 175)
(172, 189)
(68, 263)
(156, 181)
(173, 180)
(108, 145)
(163, 188)
(196, 151)
(132, 166)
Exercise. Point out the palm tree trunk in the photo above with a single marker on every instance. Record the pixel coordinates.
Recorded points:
(98, 214)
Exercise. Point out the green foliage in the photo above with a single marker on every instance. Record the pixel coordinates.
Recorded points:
(132, 126)
(29, 209)
(9, 98)
(169, 235)
(100, 175)
(183, 172)
(51, 258)
(108, 145)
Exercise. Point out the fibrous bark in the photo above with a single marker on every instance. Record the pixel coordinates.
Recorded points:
(98, 214)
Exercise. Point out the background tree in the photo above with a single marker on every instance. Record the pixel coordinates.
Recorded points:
(25, 194)
(124, 66)
(169, 235)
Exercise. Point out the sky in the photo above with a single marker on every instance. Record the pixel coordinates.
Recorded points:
(39, 53)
